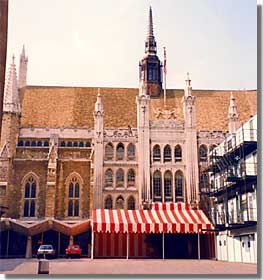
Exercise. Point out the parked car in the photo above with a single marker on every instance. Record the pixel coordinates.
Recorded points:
(45, 251)
(73, 251)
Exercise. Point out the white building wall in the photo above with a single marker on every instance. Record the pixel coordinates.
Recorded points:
(237, 248)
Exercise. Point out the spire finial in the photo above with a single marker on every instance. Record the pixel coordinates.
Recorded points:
(150, 23)
(233, 116)
(13, 59)
(188, 80)
(99, 92)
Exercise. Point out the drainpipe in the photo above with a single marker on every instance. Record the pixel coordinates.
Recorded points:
(163, 245)
(198, 244)
(127, 256)
(92, 244)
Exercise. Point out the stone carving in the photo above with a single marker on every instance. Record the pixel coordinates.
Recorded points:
(212, 134)
(165, 113)
(121, 134)
(167, 124)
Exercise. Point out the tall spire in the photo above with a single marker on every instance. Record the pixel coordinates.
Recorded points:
(233, 116)
(150, 43)
(22, 81)
(11, 97)
(150, 26)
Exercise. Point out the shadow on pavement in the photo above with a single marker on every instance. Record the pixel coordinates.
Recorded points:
(10, 264)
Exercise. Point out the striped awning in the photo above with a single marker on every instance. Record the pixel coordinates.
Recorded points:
(150, 221)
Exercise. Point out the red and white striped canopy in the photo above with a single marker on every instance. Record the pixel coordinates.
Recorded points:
(150, 221)
(171, 206)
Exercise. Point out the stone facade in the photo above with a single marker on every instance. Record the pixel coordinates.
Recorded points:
(66, 150)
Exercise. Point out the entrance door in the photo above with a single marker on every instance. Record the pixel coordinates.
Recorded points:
(180, 246)
(237, 249)
(245, 243)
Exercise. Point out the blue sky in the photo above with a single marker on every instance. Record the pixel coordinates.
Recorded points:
(100, 43)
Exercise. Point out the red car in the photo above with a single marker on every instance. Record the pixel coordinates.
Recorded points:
(73, 251)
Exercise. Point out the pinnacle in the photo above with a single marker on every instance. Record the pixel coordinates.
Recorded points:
(11, 98)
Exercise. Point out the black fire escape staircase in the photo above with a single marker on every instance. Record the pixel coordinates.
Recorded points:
(231, 166)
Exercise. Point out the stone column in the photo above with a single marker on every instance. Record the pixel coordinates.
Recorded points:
(143, 116)
(71, 240)
(89, 250)
(51, 176)
(98, 152)
(29, 247)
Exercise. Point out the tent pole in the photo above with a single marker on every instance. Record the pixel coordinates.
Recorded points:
(198, 241)
(127, 246)
(163, 245)
(92, 243)
(7, 246)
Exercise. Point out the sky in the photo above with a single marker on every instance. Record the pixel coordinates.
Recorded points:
(99, 43)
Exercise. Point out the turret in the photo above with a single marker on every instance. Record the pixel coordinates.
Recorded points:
(233, 116)
(143, 125)
(189, 104)
(11, 97)
(22, 81)
(191, 156)
(98, 152)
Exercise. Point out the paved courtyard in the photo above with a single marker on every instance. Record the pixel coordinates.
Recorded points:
(121, 266)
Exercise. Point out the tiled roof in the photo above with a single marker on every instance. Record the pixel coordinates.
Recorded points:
(56, 107)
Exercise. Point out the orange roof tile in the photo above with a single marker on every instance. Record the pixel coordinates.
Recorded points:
(55, 107)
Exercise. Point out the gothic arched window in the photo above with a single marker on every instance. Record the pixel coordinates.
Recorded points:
(109, 151)
(120, 178)
(167, 153)
(20, 143)
(88, 144)
(203, 153)
(39, 143)
(120, 152)
(131, 203)
(27, 143)
(120, 202)
(108, 202)
(131, 152)
(131, 178)
(179, 185)
(73, 197)
(156, 153)
(30, 194)
(75, 144)
(108, 178)
(168, 177)
(157, 186)
(178, 153)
